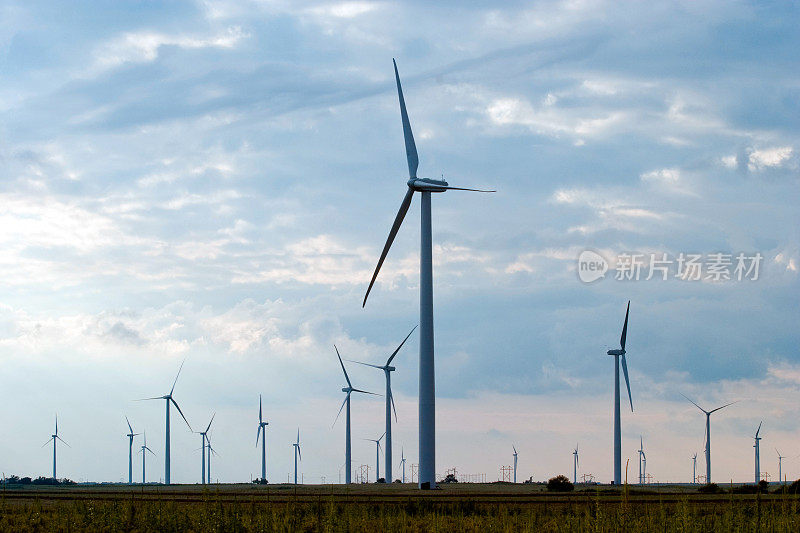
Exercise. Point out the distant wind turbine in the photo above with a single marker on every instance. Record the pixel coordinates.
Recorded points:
(780, 464)
(575, 465)
(515, 462)
(427, 392)
(758, 453)
(708, 434)
(262, 434)
(130, 451)
(642, 462)
(296, 454)
(403, 463)
(387, 370)
(54, 437)
(617, 427)
(211, 451)
(694, 468)
(203, 438)
(377, 456)
(144, 451)
(348, 390)
(170, 399)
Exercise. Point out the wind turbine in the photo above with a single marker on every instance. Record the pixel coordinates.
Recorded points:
(144, 451)
(758, 453)
(211, 451)
(515, 463)
(427, 389)
(642, 461)
(780, 464)
(403, 463)
(54, 437)
(708, 434)
(130, 451)
(575, 465)
(349, 389)
(296, 454)
(204, 437)
(387, 370)
(377, 457)
(617, 428)
(169, 398)
(262, 434)
(694, 468)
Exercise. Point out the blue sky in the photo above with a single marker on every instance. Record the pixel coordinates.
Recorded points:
(215, 180)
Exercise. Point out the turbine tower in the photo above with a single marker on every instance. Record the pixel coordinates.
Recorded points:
(387, 370)
(575, 465)
(144, 451)
(169, 399)
(642, 462)
(211, 451)
(780, 464)
(377, 457)
(708, 434)
(130, 451)
(349, 389)
(403, 463)
(262, 434)
(758, 453)
(617, 428)
(203, 438)
(694, 468)
(515, 463)
(54, 437)
(296, 454)
(427, 388)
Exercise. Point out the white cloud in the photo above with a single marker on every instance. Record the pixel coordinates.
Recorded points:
(769, 158)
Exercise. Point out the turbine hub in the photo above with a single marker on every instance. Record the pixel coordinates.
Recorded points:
(390, 368)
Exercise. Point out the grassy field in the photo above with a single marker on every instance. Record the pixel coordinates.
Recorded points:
(458, 507)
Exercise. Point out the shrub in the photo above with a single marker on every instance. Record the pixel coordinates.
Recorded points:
(710, 488)
(560, 483)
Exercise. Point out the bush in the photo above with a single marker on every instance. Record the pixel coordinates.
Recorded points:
(710, 488)
(560, 483)
(449, 478)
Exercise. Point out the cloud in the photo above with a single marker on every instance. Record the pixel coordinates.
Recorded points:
(769, 158)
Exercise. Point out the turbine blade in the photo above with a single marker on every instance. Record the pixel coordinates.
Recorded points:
(625, 328)
(129, 424)
(259, 409)
(153, 398)
(258, 434)
(343, 370)
(151, 451)
(365, 364)
(627, 382)
(401, 345)
(62, 440)
(209, 424)
(391, 397)
(340, 409)
(448, 188)
(48, 442)
(178, 407)
(366, 392)
(299, 453)
(398, 220)
(682, 394)
(176, 377)
(759, 428)
(381, 437)
(723, 407)
(411, 147)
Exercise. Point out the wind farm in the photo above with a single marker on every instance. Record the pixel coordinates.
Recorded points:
(206, 191)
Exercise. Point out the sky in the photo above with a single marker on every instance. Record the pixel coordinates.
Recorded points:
(213, 181)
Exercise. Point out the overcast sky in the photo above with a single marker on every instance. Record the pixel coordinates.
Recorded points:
(214, 181)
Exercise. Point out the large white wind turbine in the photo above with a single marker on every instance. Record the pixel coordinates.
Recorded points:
(515, 462)
(758, 453)
(204, 438)
(617, 427)
(377, 457)
(144, 451)
(387, 370)
(708, 434)
(130, 451)
(262, 434)
(296, 454)
(403, 463)
(575, 465)
(349, 389)
(642, 462)
(427, 388)
(54, 437)
(780, 464)
(170, 399)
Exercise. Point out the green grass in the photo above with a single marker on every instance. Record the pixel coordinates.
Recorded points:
(231, 508)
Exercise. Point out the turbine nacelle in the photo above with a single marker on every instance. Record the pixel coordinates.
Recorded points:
(616, 352)
(427, 185)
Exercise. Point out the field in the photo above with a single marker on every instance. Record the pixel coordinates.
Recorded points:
(457, 507)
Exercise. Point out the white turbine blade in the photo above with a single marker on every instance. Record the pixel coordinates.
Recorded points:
(48, 442)
(515, 449)
(62, 440)
(367, 392)
(56, 424)
(176, 377)
(258, 434)
(625, 328)
(149, 450)
(411, 147)
(153, 398)
(343, 369)
(209, 423)
(391, 397)
(365, 364)
(723, 407)
(259, 409)
(627, 382)
(299, 453)
(178, 407)
(340, 410)
(398, 220)
(401, 345)
(129, 424)
(682, 394)
(381, 437)
(759, 428)
(448, 188)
